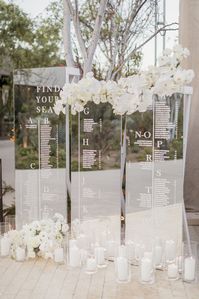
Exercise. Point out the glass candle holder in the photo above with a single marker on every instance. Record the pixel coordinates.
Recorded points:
(172, 271)
(100, 257)
(147, 275)
(139, 252)
(91, 265)
(111, 247)
(180, 264)
(130, 251)
(122, 269)
(190, 252)
(170, 251)
(158, 251)
(20, 254)
(84, 256)
(4, 246)
(59, 255)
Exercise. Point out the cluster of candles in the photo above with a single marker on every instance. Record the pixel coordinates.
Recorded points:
(94, 256)
(21, 251)
(5, 249)
(162, 257)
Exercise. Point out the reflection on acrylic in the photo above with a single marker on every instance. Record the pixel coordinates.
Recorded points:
(40, 144)
(96, 170)
(154, 177)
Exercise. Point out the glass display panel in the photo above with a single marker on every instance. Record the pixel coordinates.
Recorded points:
(40, 144)
(96, 171)
(154, 172)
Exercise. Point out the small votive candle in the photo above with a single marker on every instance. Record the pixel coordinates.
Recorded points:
(122, 269)
(74, 256)
(5, 246)
(170, 251)
(91, 265)
(147, 272)
(189, 269)
(172, 272)
(59, 255)
(20, 254)
(99, 256)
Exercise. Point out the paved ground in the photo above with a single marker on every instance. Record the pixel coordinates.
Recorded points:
(39, 279)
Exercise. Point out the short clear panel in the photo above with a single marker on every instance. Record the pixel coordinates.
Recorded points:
(96, 172)
(40, 144)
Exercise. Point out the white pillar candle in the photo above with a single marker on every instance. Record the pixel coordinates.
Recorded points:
(170, 250)
(122, 251)
(158, 251)
(20, 254)
(74, 256)
(146, 269)
(172, 271)
(189, 268)
(99, 255)
(5, 246)
(91, 265)
(59, 255)
(122, 268)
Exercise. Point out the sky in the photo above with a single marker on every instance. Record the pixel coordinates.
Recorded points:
(35, 7)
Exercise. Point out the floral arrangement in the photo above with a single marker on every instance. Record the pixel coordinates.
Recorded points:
(132, 93)
(40, 238)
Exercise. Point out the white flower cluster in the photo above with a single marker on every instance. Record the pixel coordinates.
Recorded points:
(131, 93)
(40, 238)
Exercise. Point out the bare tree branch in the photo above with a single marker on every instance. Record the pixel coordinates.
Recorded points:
(76, 23)
(164, 28)
(95, 35)
(67, 36)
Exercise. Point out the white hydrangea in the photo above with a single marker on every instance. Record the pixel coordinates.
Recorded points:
(39, 237)
(131, 93)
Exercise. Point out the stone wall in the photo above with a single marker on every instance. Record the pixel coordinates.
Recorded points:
(189, 37)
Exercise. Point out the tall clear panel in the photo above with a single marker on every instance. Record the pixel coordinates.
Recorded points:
(155, 172)
(168, 174)
(95, 164)
(139, 172)
(40, 144)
